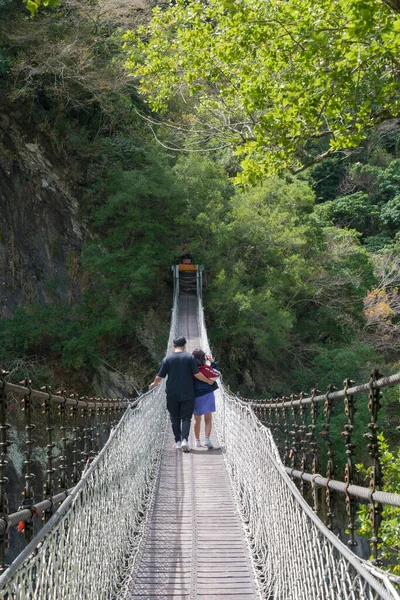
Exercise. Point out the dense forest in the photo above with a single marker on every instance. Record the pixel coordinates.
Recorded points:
(266, 136)
(302, 264)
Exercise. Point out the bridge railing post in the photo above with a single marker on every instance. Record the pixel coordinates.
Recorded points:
(314, 406)
(374, 406)
(62, 411)
(85, 451)
(28, 491)
(97, 417)
(293, 432)
(303, 439)
(347, 433)
(92, 427)
(278, 427)
(4, 444)
(105, 419)
(49, 484)
(76, 433)
(330, 469)
(285, 425)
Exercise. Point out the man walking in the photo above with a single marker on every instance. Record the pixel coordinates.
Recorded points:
(180, 367)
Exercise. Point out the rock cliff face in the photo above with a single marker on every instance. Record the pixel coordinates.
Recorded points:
(40, 235)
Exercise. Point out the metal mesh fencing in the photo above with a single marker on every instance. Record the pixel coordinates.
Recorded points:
(296, 556)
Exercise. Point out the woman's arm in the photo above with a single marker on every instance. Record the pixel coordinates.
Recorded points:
(202, 377)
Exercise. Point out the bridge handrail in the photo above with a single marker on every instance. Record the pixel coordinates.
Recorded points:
(358, 491)
(85, 549)
(56, 517)
(72, 400)
(235, 414)
(386, 594)
(336, 395)
(67, 505)
(26, 514)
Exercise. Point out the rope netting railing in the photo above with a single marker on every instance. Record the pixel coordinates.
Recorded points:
(295, 554)
(85, 550)
(71, 429)
(321, 434)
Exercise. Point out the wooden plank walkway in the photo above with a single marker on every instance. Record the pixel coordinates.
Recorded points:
(187, 321)
(195, 546)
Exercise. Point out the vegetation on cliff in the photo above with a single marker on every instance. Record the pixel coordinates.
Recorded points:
(301, 270)
(294, 269)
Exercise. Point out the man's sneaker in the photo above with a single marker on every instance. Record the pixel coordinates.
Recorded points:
(198, 444)
(178, 445)
(185, 446)
(208, 443)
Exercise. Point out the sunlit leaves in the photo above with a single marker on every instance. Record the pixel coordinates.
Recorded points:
(34, 5)
(271, 76)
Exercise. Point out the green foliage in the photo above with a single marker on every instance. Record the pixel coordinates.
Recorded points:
(333, 361)
(206, 191)
(122, 267)
(124, 152)
(266, 77)
(274, 275)
(254, 246)
(347, 266)
(34, 331)
(354, 212)
(389, 180)
(378, 243)
(328, 176)
(94, 335)
(373, 209)
(284, 280)
(253, 321)
(390, 214)
(34, 5)
(8, 7)
(133, 215)
(389, 530)
(69, 64)
(4, 62)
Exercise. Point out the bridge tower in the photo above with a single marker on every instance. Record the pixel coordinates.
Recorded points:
(188, 279)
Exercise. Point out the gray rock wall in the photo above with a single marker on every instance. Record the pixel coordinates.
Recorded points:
(40, 235)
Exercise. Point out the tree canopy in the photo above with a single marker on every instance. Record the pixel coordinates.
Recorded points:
(285, 84)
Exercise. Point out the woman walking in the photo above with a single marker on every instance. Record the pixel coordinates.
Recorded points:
(204, 400)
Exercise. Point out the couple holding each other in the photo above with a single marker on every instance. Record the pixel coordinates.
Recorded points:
(190, 385)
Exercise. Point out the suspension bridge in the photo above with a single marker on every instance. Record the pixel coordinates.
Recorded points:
(143, 520)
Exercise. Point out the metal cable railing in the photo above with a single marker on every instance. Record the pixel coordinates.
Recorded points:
(295, 554)
(309, 439)
(82, 550)
(85, 549)
(83, 424)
